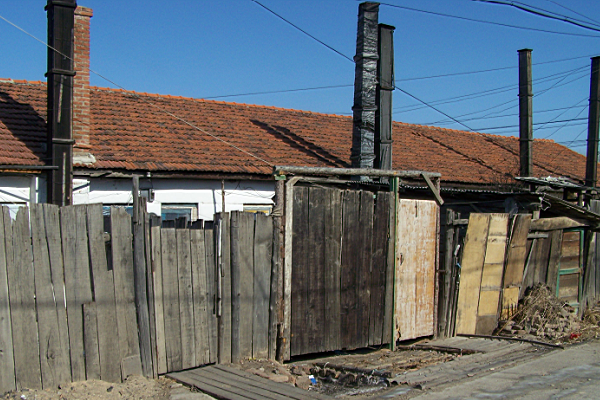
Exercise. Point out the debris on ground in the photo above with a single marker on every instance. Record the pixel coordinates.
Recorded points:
(542, 316)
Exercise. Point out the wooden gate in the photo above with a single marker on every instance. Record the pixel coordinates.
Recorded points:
(340, 269)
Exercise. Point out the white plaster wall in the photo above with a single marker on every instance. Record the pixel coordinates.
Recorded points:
(20, 190)
(204, 194)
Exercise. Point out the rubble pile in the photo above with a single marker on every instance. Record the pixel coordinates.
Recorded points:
(542, 316)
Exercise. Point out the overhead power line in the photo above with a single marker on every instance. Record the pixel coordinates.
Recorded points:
(487, 22)
(278, 91)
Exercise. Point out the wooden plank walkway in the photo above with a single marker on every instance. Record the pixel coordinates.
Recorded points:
(230, 383)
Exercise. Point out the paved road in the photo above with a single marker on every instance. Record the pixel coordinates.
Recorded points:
(573, 373)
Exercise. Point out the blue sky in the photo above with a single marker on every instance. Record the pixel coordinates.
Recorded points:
(208, 49)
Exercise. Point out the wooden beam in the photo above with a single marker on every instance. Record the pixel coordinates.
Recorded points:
(283, 170)
(552, 224)
(433, 189)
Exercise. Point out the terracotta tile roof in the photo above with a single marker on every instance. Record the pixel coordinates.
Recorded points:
(137, 131)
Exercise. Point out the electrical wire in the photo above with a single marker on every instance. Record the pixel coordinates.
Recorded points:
(278, 91)
(573, 11)
(487, 22)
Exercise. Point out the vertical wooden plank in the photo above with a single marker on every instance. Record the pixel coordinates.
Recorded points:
(104, 295)
(315, 298)
(7, 361)
(21, 293)
(491, 277)
(333, 249)
(516, 255)
(186, 311)
(159, 311)
(349, 267)
(554, 259)
(57, 272)
(200, 303)
(379, 267)
(150, 286)
(276, 268)
(245, 249)
(53, 357)
(390, 280)
(77, 281)
(263, 235)
(470, 274)
(211, 284)
(90, 341)
(123, 275)
(365, 267)
(299, 332)
(171, 299)
(225, 271)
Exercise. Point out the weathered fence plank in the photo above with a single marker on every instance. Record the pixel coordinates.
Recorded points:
(22, 301)
(7, 361)
(351, 249)
(556, 238)
(53, 357)
(90, 341)
(77, 281)
(299, 295)
(246, 272)
(198, 258)
(333, 248)
(316, 269)
(122, 257)
(211, 283)
(225, 271)
(159, 313)
(104, 295)
(263, 235)
(186, 310)
(171, 299)
(365, 266)
(379, 267)
(515, 264)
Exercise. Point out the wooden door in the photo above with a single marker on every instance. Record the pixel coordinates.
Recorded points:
(416, 258)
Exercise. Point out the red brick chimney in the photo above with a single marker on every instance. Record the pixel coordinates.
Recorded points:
(81, 87)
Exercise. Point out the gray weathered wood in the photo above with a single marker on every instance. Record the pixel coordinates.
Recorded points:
(150, 286)
(299, 273)
(333, 249)
(104, 295)
(7, 361)
(246, 289)
(225, 271)
(53, 357)
(388, 317)
(275, 302)
(77, 281)
(171, 299)
(554, 259)
(22, 302)
(552, 224)
(200, 303)
(141, 285)
(263, 234)
(211, 284)
(366, 266)
(379, 268)
(90, 341)
(284, 349)
(123, 273)
(186, 310)
(159, 313)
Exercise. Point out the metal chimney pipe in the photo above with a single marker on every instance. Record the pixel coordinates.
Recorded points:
(383, 117)
(525, 114)
(365, 86)
(591, 166)
(61, 20)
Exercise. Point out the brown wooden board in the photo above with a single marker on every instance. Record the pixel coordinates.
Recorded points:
(541, 257)
(186, 310)
(365, 265)
(225, 271)
(554, 259)
(351, 248)
(122, 258)
(159, 310)
(263, 235)
(470, 274)
(379, 267)
(200, 303)
(299, 296)
(171, 299)
(22, 303)
(54, 358)
(516, 257)
(90, 341)
(333, 246)
(246, 299)
(77, 281)
(388, 315)
(491, 277)
(7, 361)
(211, 284)
(315, 293)
(150, 284)
(104, 296)
(570, 256)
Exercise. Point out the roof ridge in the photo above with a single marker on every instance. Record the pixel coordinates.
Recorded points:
(231, 103)
(21, 81)
(472, 132)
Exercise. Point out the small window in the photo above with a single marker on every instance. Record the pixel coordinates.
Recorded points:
(173, 212)
(258, 208)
